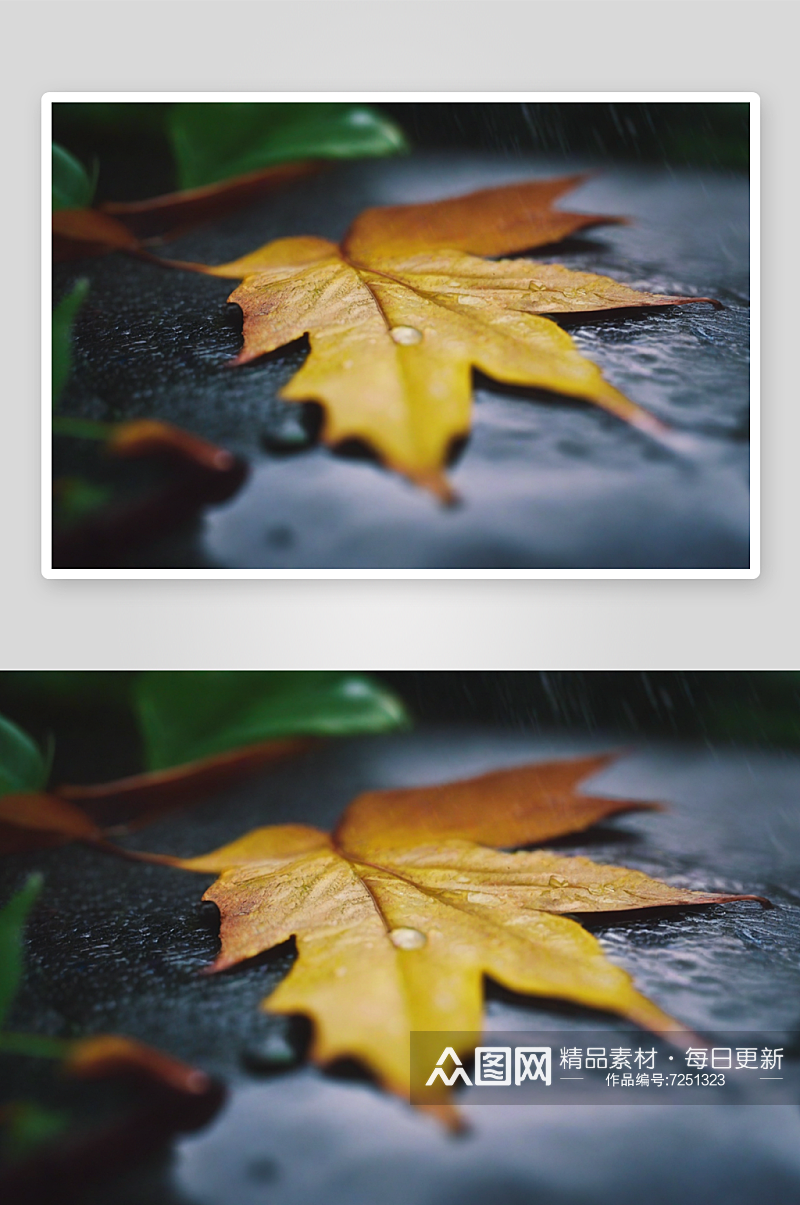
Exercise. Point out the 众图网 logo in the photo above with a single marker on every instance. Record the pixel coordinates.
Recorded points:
(493, 1066)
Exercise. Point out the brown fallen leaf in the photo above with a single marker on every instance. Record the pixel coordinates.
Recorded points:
(404, 309)
(172, 212)
(78, 233)
(198, 473)
(140, 798)
(107, 1055)
(74, 812)
(168, 1097)
(402, 911)
(151, 437)
(32, 820)
(130, 225)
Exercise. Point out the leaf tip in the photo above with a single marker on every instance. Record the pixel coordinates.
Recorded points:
(436, 483)
(757, 899)
(451, 1118)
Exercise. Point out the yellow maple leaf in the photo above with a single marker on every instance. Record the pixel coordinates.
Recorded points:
(402, 911)
(401, 313)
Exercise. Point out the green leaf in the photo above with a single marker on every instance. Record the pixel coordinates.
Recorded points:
(34, 1045)
(216, 141)
(27, 1126)
(12, 924)
(77, 498)
(22, 766)
(73, 187)
(63, 319)
(189, 715)
(82, 428)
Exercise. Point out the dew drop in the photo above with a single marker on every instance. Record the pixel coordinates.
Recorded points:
(406, 335)
(468, 299)
(407, 939)
(555, 881)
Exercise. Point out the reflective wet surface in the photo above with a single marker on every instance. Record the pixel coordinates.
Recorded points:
(544, 482)
(118, 946)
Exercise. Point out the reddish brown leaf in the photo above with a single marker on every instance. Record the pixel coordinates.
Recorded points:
(493, 221)
(401, 314)
(109, 1055)
(78, 233)
(150, 437)
(141, 797)
(44, 817)
(199, 473)
(504, 809)
(400, 915)
(175, 211)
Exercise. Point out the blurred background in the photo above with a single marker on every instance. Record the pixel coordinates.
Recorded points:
(91, 721)
(707, 135)
(117, 946)
(131, 142)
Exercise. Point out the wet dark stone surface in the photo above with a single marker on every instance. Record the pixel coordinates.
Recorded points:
(119, 946)
(545, 482)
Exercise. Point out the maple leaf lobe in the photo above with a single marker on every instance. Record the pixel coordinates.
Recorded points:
(489, 222)
(397, 926)
(417, 269)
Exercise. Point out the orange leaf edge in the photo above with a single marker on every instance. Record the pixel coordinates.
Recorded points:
(112, 1054)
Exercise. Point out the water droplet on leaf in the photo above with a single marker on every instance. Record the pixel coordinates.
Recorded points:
(406, 335)
(407, 939)
(479, 897)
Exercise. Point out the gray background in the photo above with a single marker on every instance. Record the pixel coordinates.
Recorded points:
(402, 46)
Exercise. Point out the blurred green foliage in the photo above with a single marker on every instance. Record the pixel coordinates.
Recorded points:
(149, 148)
(744, 707)
(13, 918)
(710, 134)
(185, 716)
(26, 1126)
(107, 724)
(214, 142)
(77, 498)
(22, 765)
(72, 186)
(63, 320)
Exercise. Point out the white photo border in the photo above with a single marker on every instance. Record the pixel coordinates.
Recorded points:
(751, 98)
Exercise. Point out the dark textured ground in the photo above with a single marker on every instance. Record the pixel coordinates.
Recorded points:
(117, 946)
(545, 482)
